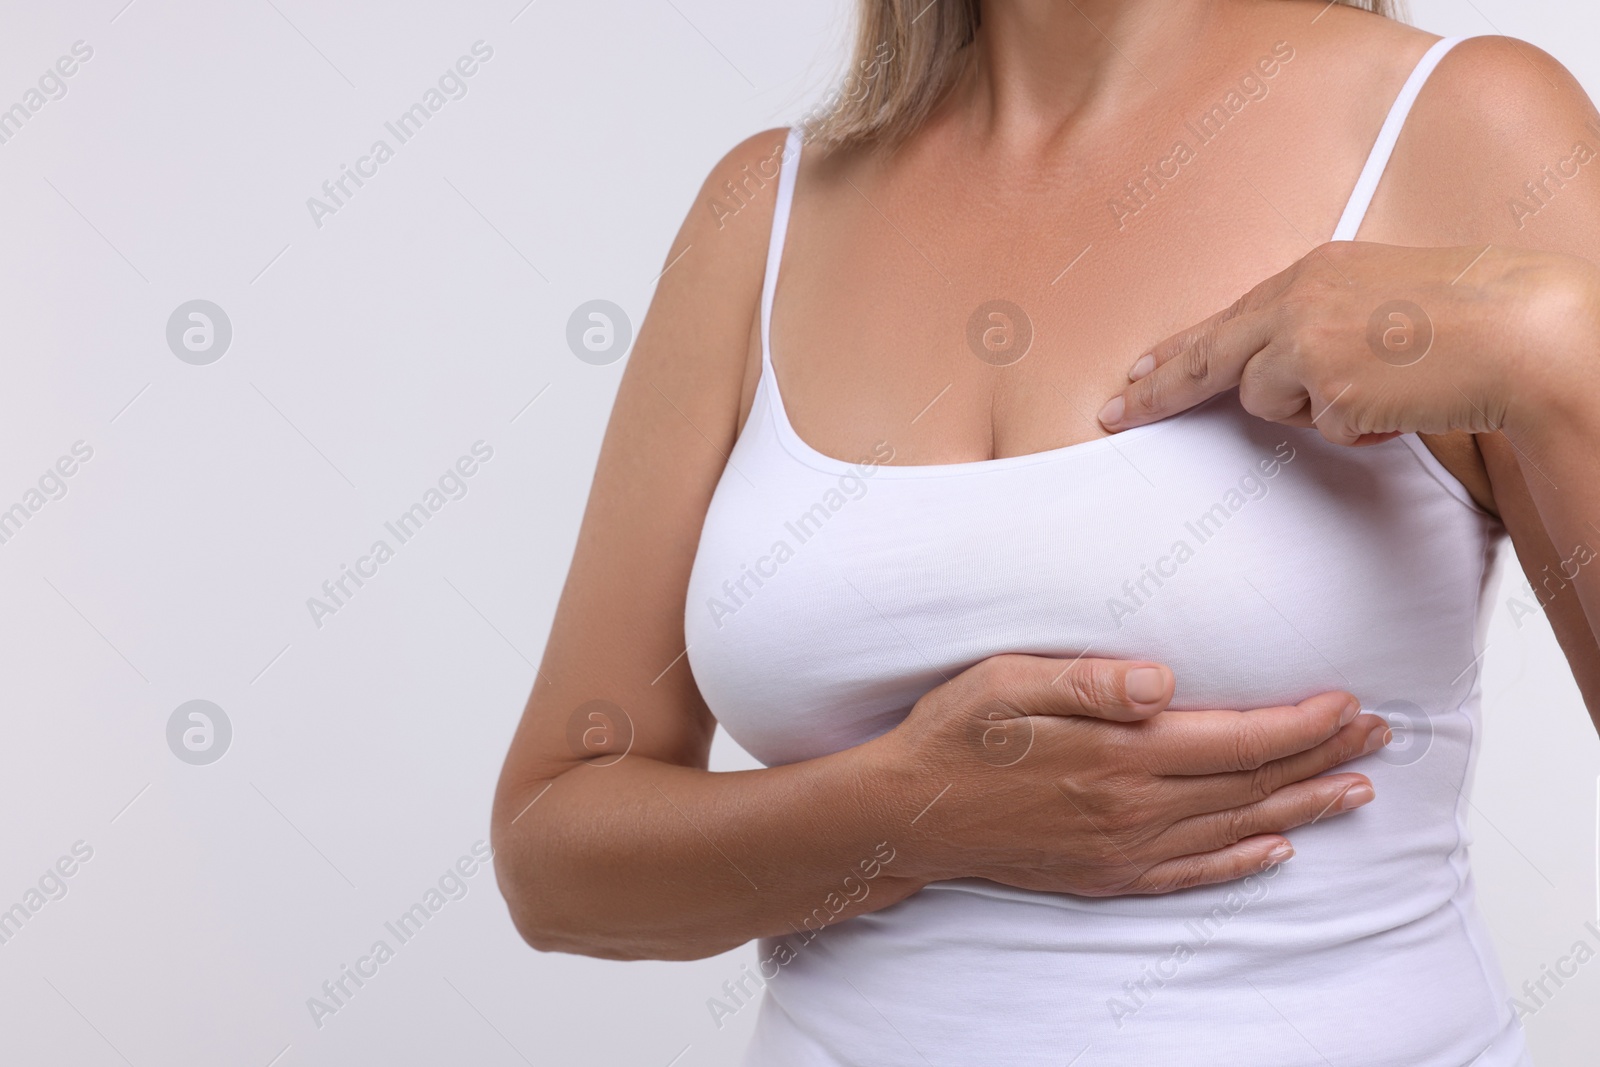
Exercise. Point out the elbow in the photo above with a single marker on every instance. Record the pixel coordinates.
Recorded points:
(540, 929)
(532, 901)
(553, 911)
(564, 893)
(552, 918)
(538, 921)
(547, 926)
(531, 875)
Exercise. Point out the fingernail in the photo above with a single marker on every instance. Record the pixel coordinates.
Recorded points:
(1279, 853)
(1377, 739)
(1355, 796)
(1348, 715)
(1144, 365)
(1144, 685)
(1111, 414)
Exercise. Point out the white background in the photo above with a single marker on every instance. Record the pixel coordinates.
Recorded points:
(367, 354)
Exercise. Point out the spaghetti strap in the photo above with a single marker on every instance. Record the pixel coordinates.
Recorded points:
(1372, 173)
(780, 227)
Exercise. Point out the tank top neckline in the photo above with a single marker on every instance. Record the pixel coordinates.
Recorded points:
(1349, 224)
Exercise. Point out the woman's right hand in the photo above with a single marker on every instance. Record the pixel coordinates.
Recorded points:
(1068, 777)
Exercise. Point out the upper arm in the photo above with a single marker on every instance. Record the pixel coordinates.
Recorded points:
(1503, 149)
(1549, 568)
(617, 635)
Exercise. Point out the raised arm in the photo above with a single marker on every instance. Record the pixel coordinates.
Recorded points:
(1486, 228)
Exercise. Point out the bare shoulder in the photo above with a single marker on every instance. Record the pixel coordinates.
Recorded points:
(724, 236)
(1505, 84)
(737, 196)
(1501, 147)
(698, 331)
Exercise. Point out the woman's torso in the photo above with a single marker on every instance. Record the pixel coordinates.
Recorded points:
(1263, 565)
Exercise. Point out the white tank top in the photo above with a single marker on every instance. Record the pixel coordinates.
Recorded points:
(1262, 564)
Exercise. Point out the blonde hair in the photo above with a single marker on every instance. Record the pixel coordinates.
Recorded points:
(907, 55)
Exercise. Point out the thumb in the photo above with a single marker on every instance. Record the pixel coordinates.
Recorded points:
(1111, 689)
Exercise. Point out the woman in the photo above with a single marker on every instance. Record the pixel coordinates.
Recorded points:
(1041, 693)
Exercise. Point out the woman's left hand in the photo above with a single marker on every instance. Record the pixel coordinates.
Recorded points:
(1368, 341)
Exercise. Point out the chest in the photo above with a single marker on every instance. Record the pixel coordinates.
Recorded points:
(970, 312)
(1261, 564)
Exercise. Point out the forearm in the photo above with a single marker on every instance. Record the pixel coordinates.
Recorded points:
(649, 860)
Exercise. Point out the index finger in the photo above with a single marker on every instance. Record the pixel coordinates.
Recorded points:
(1188, 367)
(1215, 742)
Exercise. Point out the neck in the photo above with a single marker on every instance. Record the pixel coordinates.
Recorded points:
(1041, 68)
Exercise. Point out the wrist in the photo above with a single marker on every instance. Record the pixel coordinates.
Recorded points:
(903, 791)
